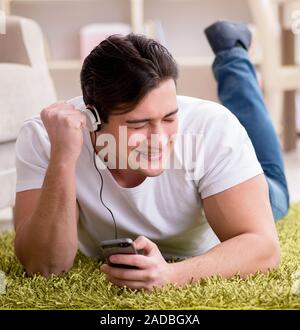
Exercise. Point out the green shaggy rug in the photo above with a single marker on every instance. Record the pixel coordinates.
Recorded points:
(84, 287)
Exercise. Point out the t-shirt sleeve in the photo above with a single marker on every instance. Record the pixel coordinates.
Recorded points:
(228, 158)
(32, 152)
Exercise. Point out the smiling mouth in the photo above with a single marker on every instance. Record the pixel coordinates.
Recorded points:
(154, 156)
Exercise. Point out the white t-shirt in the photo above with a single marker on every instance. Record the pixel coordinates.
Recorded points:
(166, 208)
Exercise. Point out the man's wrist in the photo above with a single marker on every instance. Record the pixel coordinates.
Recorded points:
(62, 164)
(181, 273)
(175, 273)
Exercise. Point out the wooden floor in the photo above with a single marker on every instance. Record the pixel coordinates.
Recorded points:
(292, 164)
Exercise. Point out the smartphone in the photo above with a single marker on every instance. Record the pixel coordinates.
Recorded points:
(118, 246)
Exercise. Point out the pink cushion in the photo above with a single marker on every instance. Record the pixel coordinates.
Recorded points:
(91, 35)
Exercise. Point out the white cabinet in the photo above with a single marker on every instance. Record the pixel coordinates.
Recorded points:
(185, 20)
(182, 22)
(61, 20)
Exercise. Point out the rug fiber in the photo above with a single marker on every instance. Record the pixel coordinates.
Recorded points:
(84, 287)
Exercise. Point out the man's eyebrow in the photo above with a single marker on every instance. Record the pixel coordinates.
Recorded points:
(136, 121)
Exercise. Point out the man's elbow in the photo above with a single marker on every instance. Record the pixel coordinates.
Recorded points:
(44, 268)
(47, 270)
(43, 265)
(273, 255)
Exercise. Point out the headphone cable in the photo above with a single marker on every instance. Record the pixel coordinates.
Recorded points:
(101, 188)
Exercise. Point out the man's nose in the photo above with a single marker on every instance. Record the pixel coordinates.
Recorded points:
(158, 129)
(158, 137)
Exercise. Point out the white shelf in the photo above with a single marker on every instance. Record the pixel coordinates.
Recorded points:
(64, 64)
(182, 21)
(137, 15)
(194, 60)
(183, 61)
(61, 20)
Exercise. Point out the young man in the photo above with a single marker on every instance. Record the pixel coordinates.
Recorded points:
(213, 214)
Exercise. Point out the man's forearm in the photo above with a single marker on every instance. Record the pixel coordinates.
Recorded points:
(47, 241)
(243, 254)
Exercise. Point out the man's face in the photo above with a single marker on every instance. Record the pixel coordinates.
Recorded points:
(150, 128)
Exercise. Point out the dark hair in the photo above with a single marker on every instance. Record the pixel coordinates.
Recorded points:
(121, 70)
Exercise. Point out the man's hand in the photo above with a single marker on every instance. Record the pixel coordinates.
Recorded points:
(153, 270)
(64, 126)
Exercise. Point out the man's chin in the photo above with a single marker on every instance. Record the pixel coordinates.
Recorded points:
(152, 172)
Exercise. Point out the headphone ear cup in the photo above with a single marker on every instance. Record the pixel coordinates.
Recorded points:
(90, 120)
(93, 121)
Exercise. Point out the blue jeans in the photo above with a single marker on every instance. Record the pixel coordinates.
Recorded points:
(239, 91)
